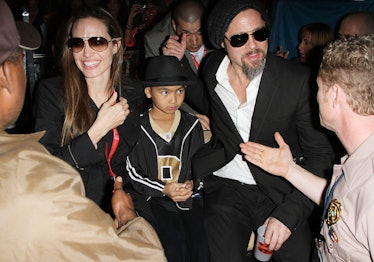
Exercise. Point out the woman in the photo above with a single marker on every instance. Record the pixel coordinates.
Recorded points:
(312, 39)
(88, 124)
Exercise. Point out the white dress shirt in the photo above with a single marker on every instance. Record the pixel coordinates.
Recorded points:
(241, 115)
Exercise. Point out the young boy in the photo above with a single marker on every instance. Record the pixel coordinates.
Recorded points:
(160, 164)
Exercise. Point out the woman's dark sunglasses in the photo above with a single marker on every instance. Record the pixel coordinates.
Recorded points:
(241, 39)
(97, 43)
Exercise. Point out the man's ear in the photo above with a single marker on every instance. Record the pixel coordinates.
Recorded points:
(335, 94)
(174, 25)
(5, 71)
(147, 92)
(2, 76)
(340, 97)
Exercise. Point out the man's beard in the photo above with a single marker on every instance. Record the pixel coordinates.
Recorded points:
(257, 68)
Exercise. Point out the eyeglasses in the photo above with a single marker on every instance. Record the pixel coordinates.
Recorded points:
(97, 43)
(241, 39)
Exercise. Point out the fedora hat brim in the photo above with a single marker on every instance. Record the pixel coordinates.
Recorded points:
(167, 83)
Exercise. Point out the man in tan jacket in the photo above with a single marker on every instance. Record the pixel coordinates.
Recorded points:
(44, 215)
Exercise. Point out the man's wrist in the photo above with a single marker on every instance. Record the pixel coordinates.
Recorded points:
(129, 215)
(292, 170)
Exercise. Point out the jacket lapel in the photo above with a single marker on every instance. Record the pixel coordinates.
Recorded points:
(265, 96)
(217, 107)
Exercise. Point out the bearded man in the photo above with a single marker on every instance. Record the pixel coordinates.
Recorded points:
(248, 94)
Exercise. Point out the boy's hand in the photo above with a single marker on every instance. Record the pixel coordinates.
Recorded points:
(179, 192)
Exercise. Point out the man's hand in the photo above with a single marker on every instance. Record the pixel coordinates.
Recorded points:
(179, 191)
(122, 205)
(276, 161)
(172, 47)
(276, 233)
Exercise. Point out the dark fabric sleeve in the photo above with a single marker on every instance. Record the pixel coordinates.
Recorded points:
(317, 155)
(309, 141)
(139, 177)
(49, 116)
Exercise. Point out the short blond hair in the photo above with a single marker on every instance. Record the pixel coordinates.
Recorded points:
(349, 62)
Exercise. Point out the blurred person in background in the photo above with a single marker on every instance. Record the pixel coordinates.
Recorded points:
(118, 9)
(312, 39)
(357, 23)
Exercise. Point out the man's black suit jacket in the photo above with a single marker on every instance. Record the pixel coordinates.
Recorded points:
(285, 103)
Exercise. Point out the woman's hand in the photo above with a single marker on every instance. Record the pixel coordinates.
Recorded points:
(111, 115)
(281, 53)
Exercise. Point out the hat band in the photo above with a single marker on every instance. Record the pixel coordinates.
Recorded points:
(167, 79)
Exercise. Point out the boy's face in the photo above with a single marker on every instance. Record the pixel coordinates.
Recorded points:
(166, 99)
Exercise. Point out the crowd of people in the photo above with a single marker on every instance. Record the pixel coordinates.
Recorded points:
(121, 166)
(45, 215)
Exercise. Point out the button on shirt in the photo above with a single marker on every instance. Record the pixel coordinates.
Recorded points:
(241, 115)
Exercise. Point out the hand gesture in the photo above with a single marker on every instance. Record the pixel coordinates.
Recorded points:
(276, 161)
(122, 205)
(281, 53)
(179, 192)
(135, 9)
(172, 47)
(111, 115)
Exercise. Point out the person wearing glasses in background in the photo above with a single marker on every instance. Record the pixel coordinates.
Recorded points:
(87, 121)
(249, 94)
(180, 34)
(182, 24)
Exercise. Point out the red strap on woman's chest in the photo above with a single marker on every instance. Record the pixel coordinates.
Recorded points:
(109, 155)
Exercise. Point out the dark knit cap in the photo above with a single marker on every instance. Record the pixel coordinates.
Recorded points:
(224, 12)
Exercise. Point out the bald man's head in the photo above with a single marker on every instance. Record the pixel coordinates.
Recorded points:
(188, 11)
(359, 23)
(187, 18)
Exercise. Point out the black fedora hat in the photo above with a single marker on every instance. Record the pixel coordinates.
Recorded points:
(164, 71)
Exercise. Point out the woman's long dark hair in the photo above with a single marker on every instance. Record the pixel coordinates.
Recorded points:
(79, 115)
